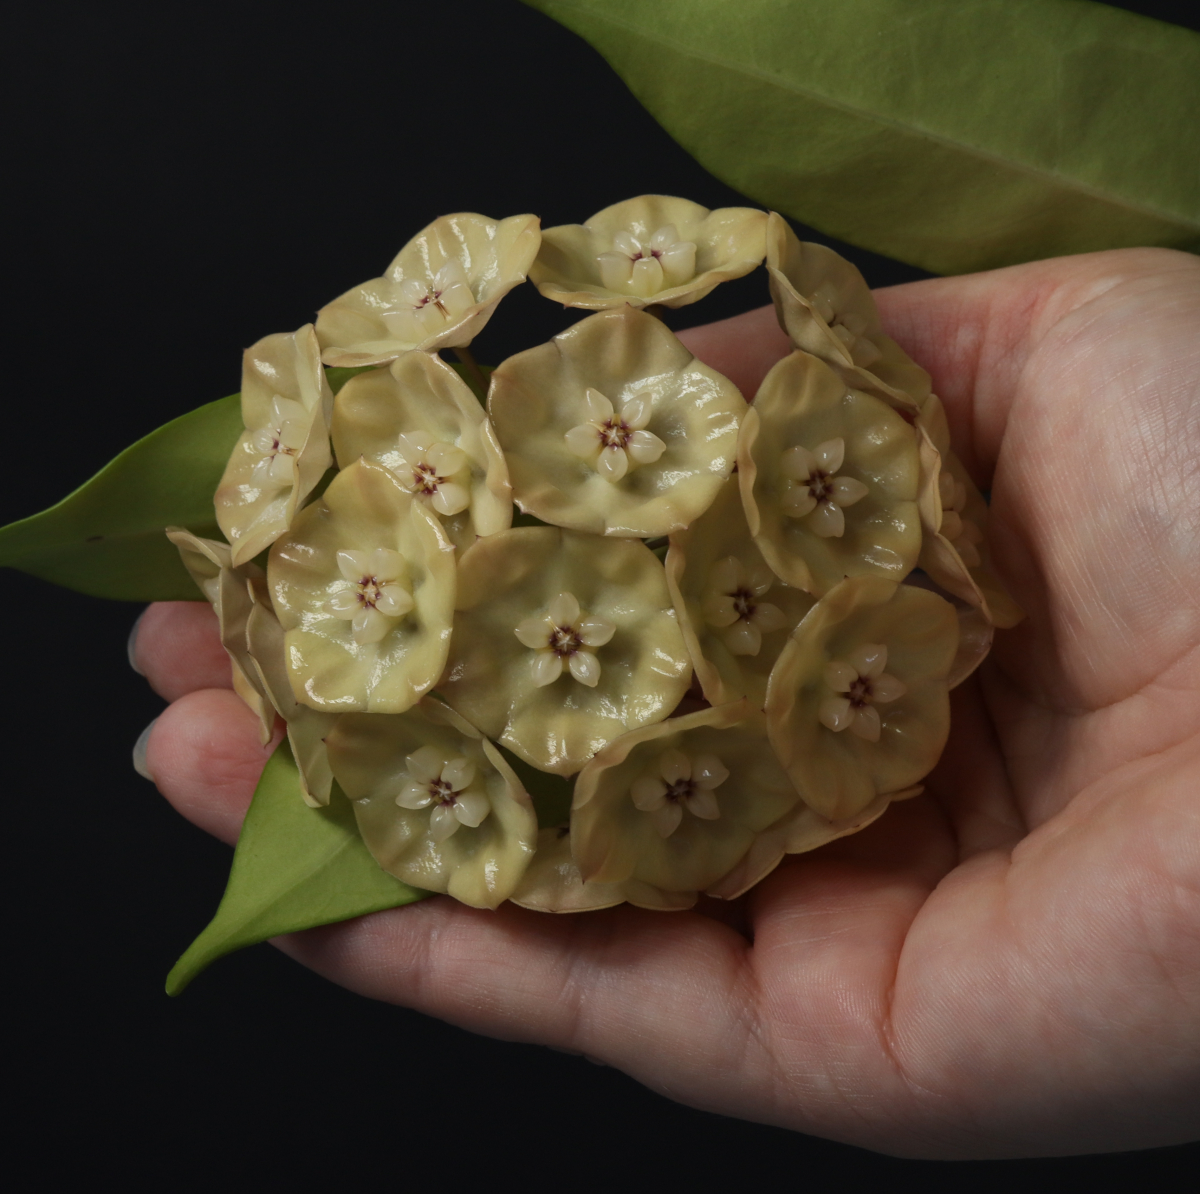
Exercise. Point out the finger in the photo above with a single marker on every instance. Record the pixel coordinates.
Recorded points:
(205, 756)
(177, 647)
(742, 348)
(976, 334)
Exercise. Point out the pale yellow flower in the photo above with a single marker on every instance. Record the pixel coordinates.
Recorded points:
(613, 427)
(677, 804)
(439, 292)
(829, 479)
(954, 551)
(827, 309)
(858, 703)
(230, 591)
(419, 420)
(735, 613)
(437, 805)
(655, 249)
(284, 451)
(533, 663)
(363, 585)
(553, 884)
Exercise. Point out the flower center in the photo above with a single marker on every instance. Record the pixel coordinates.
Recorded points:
(615, 433)
(370, 590)
(564, 641)
(743, 603)
(426, 479)
(859, 693)
(820, 485)
(442, 792)
(681, 789)
(434, 298)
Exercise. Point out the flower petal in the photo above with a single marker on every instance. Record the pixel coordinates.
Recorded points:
(798, 463)
(743, 638)
(767, 617)
(846, 491)
(885, 688)
(384, 564)
(797, 501)
(839, 676)
(472, 808)
(702, 803)
(645, 447)
(545, 667)
(394, 601)
(828, 521)
(627, 243)
(414, 795)
(564, 610)
(450, 498)
(664, 237)
(344, 604)
(674, 765)
(612, 464)
(599, 409)
(370, 626)
(353, 565)
(585, 667)
(443, 823)
(647, 277)
(727, 575)
(866, 724)
(679, 263)
(648, 793)
(708, 771)
(719, 610)
(425, 764)
(666, 819)
(595, 631)
(870, 659)
(830, 454)
(615, 270)
(447, 459)
(637, 411)
(535, 632)
(835, 713)
(583, 440)
(458, 773)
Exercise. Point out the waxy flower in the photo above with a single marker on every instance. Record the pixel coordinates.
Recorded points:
(284, 451)
(563, 635)
(827, 309)
(955, 551)
(676, 805)
(553, 884)
(419, 420)
(230, 591)
(562, 642)
(829, 479)
(858, 705)
(437, 805)
(613, 427)
(654, 249)
(735, 613)
(439, 292)
(363, 584)
(307, 729)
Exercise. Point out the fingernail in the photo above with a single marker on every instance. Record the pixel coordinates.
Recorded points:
(131, 646)
(139, 752)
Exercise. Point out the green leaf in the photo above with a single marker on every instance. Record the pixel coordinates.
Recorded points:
(953, 134)
(107, 537)
(294, 868)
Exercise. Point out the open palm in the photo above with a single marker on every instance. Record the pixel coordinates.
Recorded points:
(1008, 965)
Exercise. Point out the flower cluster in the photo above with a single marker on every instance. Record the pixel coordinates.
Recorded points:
(705, 621)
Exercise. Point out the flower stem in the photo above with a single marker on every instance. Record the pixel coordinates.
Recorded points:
(472, 374)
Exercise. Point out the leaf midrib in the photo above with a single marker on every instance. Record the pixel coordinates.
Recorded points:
(1113, 199)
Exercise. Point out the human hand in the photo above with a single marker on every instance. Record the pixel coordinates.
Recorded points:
(1004, 966)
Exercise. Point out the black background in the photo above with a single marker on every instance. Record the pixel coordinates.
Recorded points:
(182, 180)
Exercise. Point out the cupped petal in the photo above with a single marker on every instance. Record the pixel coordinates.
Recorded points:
(845, 491)
(839, 774)
(383, 664)
(545, 667)
(585, 667)
(866, 724)
(394, 601)
(719, 609)
(583, 440)
(636, 412)
(425, 764)
(648, 793)
(708, 771)
(416, 418)
(869, 659)
(702, 803)
(743, 638)
(798, 501)
(534, 632)
(674, 765)
(414, 796)
(375, 322)
(540, 396)
(595, 632)
(564, 609)
(830, 454)
(614, 840)
(644, 669)
(887, 688)
(768, 618)
(798, 463)
(478, 859)
(459, 773)
(727, 575)
(263, 487)
(803, 401)
(840, 675)
(613, 259)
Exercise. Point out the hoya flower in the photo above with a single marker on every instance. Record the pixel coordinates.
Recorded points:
(565, 635)
(827, 309)
(439, 292)
(829, 479)
(797, 832)
(615, 441)
(858, 703)
(613, 427)
(306, 728)
(230, 592)
(654, 249)
(562, 642)
(419, 420)
(553, 884)
(735, 613)
(284, 451)
(955, 551)
(677, 804)
(363, 586)
(437, 805)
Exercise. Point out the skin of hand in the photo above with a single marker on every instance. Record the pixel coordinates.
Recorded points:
(1006, 966)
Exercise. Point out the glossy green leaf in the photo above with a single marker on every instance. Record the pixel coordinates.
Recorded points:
(294, 868)
(107, 537)
(953, 134)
